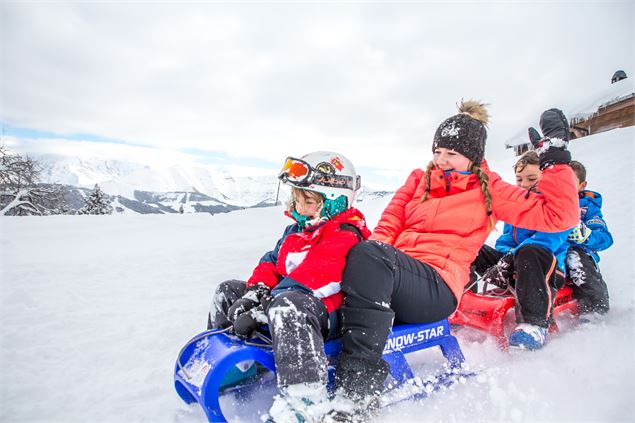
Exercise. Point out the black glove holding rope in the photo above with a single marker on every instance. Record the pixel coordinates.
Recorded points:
(552, 145)
(248, 313)
(501, 274)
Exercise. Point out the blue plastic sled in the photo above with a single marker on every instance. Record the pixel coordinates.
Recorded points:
(206, 358)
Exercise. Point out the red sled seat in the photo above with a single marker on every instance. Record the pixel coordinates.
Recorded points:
(487, 312)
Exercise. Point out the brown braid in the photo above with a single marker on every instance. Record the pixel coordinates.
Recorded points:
(428, 171)
(483, 179)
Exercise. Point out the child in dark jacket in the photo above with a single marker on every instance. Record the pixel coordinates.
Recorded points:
(530, 262)
(589, 237)
(295, 288)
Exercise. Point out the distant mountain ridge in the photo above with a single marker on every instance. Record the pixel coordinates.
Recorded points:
(138, 188)
(241, 187)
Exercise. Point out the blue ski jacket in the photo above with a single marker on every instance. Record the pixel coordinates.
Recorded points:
(514, 238)
(591, 214)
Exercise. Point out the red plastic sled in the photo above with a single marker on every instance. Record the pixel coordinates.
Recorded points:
(487, 312)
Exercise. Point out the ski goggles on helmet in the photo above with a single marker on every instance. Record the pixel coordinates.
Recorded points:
(301, 174)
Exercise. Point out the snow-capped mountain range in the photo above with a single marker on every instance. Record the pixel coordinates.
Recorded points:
(179, 188)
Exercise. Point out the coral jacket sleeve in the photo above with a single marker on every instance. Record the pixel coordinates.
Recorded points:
(555, 209)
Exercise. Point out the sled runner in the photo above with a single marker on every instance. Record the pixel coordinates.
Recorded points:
(487, 312)
(206, 358)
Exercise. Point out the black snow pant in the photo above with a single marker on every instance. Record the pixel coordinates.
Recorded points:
(299, 323)
(382, 285)
(589, 288)
(536, 281)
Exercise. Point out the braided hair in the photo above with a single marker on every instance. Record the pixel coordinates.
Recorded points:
(428, 171)
(483, 181)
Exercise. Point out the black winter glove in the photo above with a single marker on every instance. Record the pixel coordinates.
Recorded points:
(251, 299)
(552, 146)
(501, 274)
(246, 323)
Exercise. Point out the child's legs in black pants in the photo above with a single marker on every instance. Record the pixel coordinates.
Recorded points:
(589, 287)
(298, 322)
(536, 284)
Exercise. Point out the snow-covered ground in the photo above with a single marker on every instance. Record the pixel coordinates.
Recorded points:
(94, 310)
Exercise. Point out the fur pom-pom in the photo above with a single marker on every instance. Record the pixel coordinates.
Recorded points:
(475, 110)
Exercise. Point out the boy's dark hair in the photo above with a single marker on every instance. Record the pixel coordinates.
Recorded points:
(529, 158)
(579, 169)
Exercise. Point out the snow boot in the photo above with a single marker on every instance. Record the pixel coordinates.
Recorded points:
(360, 382)
(528, 336)
(300, 403)
(350, 408)
(238, 373)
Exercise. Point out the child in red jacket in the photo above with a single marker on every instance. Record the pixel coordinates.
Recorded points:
(295, 288)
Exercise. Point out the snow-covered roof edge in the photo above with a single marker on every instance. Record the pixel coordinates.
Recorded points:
(612, 94)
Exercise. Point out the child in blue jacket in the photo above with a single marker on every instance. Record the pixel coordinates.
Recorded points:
(589, 237)
(530, 262)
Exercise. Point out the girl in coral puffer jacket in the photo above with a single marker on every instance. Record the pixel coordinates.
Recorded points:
(414, 267)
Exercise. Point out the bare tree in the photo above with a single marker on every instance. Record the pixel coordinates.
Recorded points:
(17, 172)
(20, 193)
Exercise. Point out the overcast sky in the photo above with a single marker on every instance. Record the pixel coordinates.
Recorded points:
(254, 82)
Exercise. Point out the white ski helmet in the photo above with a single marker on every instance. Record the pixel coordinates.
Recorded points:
(326, 172)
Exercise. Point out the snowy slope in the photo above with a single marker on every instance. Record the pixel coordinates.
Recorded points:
(94, 310)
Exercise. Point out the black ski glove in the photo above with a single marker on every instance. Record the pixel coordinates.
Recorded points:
(249, 300)
(552, 146)
(247, 322)
(501, 274)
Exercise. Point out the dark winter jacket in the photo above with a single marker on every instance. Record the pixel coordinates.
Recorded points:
(313, 259)
(591, 214)
(554, 242)
(447, 230)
